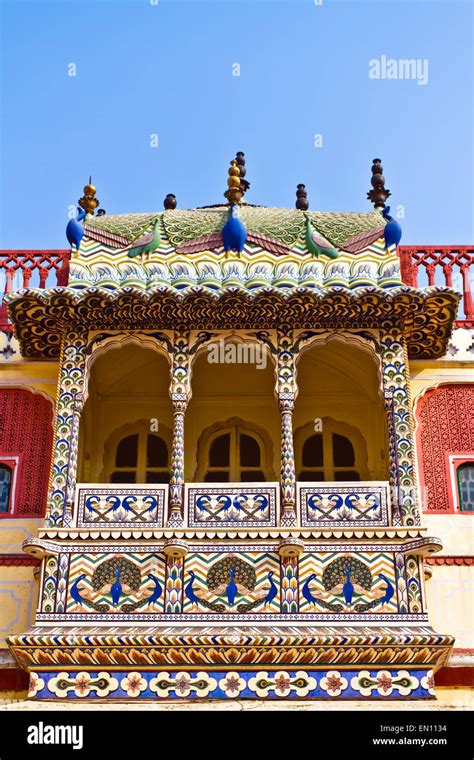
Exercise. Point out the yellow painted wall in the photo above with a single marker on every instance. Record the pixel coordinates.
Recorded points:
(18, 599)
(18, 586)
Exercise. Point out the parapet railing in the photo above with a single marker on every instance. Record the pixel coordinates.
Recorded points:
(36, 269)
(420, 265)
(441, 265)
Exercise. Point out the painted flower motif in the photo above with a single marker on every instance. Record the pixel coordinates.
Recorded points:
(36, 684)
(384, 682)
(261, 684)
(282, 684)
(182, 684)
(104, 684)
(428, 682)
(334, 683)
(61, 684)
(232, 685)
(82, 684)
(133, 684)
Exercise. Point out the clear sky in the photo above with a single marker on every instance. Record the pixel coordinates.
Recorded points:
(166, 68)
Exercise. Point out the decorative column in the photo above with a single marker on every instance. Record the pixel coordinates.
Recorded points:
(175, 518)
(286, 400)
(398, 405)
(68, 410)
(180, 394)
(287, 471)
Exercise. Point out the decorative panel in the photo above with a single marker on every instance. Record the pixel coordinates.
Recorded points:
(250, 505)
(337, 504)
(99, 505)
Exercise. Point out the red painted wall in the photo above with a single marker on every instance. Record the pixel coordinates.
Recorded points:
(445, 418)
(26, 432)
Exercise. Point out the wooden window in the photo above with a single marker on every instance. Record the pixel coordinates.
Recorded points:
(235, 456)
(327, 456)
(141, 458)
(465, 477)
(6, 478)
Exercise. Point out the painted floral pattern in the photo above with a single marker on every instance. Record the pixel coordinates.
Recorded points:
(385, 683)
(133, 684)
(282, 684)
(232, 685)
(36, 685)
(334, 683)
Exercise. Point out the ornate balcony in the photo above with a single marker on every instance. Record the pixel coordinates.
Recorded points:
(441, 265)
(31, 269)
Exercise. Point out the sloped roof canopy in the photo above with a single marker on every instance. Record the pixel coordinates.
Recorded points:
(188, 280)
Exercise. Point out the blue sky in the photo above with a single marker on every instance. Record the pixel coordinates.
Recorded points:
(167, 69)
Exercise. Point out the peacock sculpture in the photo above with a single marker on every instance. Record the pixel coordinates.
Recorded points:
(392, 232)
(147, 243)
(75, 230)
(316, 244)
(234, 232)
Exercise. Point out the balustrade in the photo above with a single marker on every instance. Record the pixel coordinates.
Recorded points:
(440, 263)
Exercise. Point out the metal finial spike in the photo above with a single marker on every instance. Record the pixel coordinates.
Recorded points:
(240, 160)
(88, 201)
(379, 193)
(234, 193)
(302, 203)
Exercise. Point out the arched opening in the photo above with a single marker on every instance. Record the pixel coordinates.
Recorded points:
(339, 418)
(126, 424)
(233, 417)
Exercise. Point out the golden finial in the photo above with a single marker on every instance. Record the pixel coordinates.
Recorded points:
(88, 201)
(234, 193)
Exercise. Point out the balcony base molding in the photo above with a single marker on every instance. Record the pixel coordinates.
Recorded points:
(230, 663)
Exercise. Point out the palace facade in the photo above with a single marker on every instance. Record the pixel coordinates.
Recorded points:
(236, 456)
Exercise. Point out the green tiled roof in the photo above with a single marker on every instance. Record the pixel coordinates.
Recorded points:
(282, 224)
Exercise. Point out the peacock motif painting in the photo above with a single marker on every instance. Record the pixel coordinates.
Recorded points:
(234, 582)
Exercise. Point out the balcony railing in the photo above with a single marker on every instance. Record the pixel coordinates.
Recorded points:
(34, 269)
(232, 505)
(441, 265)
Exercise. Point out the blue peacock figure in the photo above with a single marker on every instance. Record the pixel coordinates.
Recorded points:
(75, 230)
(78, 594)
(392, 231)
(116, 588)
(234, 232)
(198, 596)
(231, 589)
(387, 593)
(149, 599)
(117, 577)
